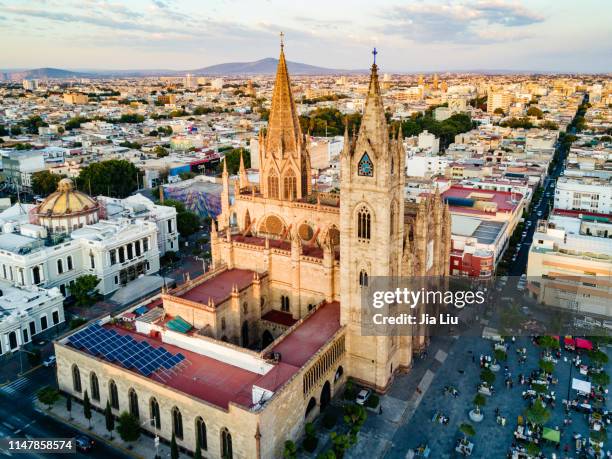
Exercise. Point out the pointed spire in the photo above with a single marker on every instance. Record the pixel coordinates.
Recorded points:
(225, 167)
(284, 124)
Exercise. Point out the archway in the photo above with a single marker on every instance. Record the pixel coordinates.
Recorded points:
(325, 395)
(267, 339)
(245, 334)
(339, 373)
(312, 403)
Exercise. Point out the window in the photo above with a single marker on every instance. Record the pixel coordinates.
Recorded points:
(169, 226)
(363, 278)
(113, 395)
(76, 378)
(226, 444)
(290, 186)
(60, 266)
(130, 252)
(25, 335)
(69, 262)
(145, 244)
(285, 303)
(201, 433)
(121, 254)
(55, 317)
(133, 403)
(13, 340)
(273, 185)
(154, 413)
(95, 386)
(137, 247)
(43, 323)
(177, 423)
(365, 168)
(32, 328)
(36, 275)
(92, 260)
(113, 257)
(63, 289)
(222, 323)
(363, 224)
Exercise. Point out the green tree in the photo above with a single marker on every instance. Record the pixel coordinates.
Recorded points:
(598, 357)
(69, 405)
(48, 396)
(601, 379)
(290, 451)
(109, 419)
(75, 123)
(44, 182)
(537, 413)
(15, 130)
(160, 151)
(32, 124)
(187, 222)
(116, 176)
(547, 366)
(87, 408)
(85, 290)
(174, 451)
(128, 427)
(550, 125)
(467, 430)
(498, 111)
(232, 158)
(535, 111)
(479, 401)
(341, 443)
(486, 375)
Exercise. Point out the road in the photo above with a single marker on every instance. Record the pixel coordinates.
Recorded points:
(20, 419)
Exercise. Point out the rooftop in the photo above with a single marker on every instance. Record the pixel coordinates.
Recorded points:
(218, 288)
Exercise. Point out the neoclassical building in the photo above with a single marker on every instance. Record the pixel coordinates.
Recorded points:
(242, 357)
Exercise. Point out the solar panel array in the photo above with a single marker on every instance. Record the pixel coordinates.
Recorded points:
(125, 350)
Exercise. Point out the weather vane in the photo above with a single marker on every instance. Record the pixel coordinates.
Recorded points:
(282, 39)
(374, 53)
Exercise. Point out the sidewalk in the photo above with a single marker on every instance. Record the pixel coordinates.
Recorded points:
(143, 448)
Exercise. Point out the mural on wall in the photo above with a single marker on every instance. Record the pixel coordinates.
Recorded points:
(201, 202)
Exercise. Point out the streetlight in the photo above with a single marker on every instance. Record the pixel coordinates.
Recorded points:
(156, 439)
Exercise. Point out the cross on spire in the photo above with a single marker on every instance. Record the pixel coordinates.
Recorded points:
(282, 39)
(374, 53)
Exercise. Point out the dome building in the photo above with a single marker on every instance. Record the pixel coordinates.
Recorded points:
(67, 209)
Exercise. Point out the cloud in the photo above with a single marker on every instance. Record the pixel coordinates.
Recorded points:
(462, 23)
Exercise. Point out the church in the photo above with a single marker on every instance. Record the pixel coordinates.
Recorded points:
(273, 330)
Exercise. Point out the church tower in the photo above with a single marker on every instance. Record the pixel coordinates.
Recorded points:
(371, 219)
(285, 161)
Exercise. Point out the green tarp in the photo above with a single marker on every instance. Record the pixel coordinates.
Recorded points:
(178, 324)
(551, 435)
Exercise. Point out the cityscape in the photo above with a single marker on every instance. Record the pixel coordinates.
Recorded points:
(271, 246)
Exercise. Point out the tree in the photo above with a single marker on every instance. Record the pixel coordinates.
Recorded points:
(75, 123)
(486, 375)
(128, 427)
(48, 396)
(44, 182)
(535, 111)
(85, 289)
(537, 413)
(290, 451)
(115, 175)
(601, 379)
(174, 452)
(550, 125)
(160, 151)
(310, 440)
(69, 405)
(187, 222)
(87, 408)
(467, 430)
(479, 401)
(547, 366)
(548, 343)
(498, 111)
(109, 419)
(232, 158)
(341, 443)
(598, 357)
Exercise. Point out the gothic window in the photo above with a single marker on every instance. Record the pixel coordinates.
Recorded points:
(154, 413)
(201, 433)
(284, 303)
(289, 186)
(273, 185)
(76, 378)
(226, 444)
(133, 403)
(365, 168)
(113, 395)
(95, 386)
(177, 423)
(363, 278)
(363, 224)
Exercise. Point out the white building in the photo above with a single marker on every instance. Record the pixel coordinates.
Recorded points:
(217, 83)
(20, 165)
(26, 312)
(429, 142)
(584, 193)
(426, 166)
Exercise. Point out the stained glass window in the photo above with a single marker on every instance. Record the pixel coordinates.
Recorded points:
(365, 167)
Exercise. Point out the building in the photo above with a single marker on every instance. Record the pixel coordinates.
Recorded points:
(75, 99)
(589, 194)
(30, 85)
(26, 312)
(166, 99)
(67, 236)
(498, 99)
(272, 331)
(570, 262)
(429, 142)
(19, 165)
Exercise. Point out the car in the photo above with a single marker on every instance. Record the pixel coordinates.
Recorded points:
(50, 361)
(540, 213)
(363, 396)
(83, 443)
(524, 233)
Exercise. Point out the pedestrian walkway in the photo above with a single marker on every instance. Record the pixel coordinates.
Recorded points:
(15, 386)
(143, 448)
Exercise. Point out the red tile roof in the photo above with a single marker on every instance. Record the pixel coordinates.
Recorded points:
(279, 317)
(219, 287)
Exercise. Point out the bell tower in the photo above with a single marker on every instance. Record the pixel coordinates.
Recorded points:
(371, 219)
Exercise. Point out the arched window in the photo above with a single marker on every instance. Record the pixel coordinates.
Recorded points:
(365, 168)
(113, 395)
(392, 220)
(200, 427)
(76, 378)
(285, 303)
(60, 266)
(363, 278)
(222, 323)
(177, 423)
(133, 403)
(273, 185)
(364, 222)
(69, 262)
(245, 308)
(290, 186)
(154, 413)
(35, 274)
(226, 444)
(95, 386)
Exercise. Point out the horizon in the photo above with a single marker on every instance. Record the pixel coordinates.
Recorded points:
(538, 36)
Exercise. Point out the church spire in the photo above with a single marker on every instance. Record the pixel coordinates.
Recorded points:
(284, 131)
(373, 123)
(244, 180)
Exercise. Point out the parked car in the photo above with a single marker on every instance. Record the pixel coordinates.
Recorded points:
(363, 396)
(83, 443)
(50, 361)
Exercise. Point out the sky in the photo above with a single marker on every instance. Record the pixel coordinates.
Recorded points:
(410, 35)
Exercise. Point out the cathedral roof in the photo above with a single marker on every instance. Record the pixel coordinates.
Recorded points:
(66, 200)
(283, 131)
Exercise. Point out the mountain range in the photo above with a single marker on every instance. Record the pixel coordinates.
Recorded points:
(265, 66)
